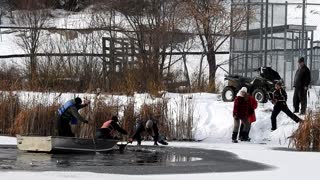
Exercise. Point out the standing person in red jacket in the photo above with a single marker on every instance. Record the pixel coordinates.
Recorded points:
(253, 104)
(240, 112)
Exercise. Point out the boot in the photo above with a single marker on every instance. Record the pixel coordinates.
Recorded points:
(245, 136)
(241, 135)
(234, 137)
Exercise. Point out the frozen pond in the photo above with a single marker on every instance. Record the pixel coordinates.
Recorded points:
(134, 160)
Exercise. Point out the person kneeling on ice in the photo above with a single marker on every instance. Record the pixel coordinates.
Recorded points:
(69, 113)
(240, 112)
(109, 128)
(279, 100)
(151, 128)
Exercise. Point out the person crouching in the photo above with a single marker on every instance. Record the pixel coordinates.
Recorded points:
(109, 128)
(240, 112)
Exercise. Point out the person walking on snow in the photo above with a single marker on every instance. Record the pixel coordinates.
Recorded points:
(253, 104)
(69, 113)
(109, 128)
(241, 113)
(302, 80)
(279, 100)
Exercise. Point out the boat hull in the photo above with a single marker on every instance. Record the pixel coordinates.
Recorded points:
(63, 144)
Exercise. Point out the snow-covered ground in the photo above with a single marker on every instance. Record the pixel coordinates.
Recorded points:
(214, 125)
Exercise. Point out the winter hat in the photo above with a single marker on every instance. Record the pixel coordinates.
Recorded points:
(301, 59)
(115, 118)
(149, 124)
(77, 100)
(243, 89)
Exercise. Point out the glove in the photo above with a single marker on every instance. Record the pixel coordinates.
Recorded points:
(86, 121)
(86, 101)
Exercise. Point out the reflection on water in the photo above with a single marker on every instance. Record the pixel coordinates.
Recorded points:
(43, 161)
(134, 160)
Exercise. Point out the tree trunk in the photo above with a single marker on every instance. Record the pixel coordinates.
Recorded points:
(200, 72)
(186, 70)
(211, 57)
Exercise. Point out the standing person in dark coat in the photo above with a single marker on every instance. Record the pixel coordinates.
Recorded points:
(302, 80)
(68, 113)
(279, 100)
(241, 112)
(109, 128)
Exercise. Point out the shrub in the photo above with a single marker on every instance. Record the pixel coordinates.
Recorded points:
(307, 136)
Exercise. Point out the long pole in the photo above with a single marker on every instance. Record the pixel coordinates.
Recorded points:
(231, 40)
(247, 40)
(303, 29)
(266, 34)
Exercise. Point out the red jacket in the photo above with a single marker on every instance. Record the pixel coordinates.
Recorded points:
(252, 106)
(241, 107)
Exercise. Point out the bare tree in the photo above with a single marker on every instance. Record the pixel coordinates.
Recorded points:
(3, 7)
(212, 20)
(29, 41)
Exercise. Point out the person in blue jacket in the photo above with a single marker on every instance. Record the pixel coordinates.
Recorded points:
(68, 113)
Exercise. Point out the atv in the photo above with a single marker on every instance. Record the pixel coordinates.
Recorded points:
(260, 87)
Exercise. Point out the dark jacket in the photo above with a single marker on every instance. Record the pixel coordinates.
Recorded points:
(72, 112)
(241, 107)
(302, 77)
(279, 95)
(140, 127)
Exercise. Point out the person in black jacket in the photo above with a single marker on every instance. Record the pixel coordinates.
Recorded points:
(302, 80)
(151, 127)
(68, 113)
(279, 100)
(109, 128)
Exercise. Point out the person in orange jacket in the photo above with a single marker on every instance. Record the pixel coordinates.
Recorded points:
(253, 104)
(109, 128)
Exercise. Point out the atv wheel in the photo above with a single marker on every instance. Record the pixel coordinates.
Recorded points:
(260, 95)
(228, 94)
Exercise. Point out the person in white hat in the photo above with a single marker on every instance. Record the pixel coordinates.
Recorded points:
(241, 112)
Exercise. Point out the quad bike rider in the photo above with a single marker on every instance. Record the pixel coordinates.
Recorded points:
(259, 87)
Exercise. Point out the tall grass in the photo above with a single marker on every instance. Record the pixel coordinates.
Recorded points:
(181, 119)
(9, 109)
(35, 118)
(39, 120)
(307, 136)
(96, 114)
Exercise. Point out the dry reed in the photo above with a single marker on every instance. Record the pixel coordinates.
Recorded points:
(39, 120)
(307, 136)
(9, 108)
